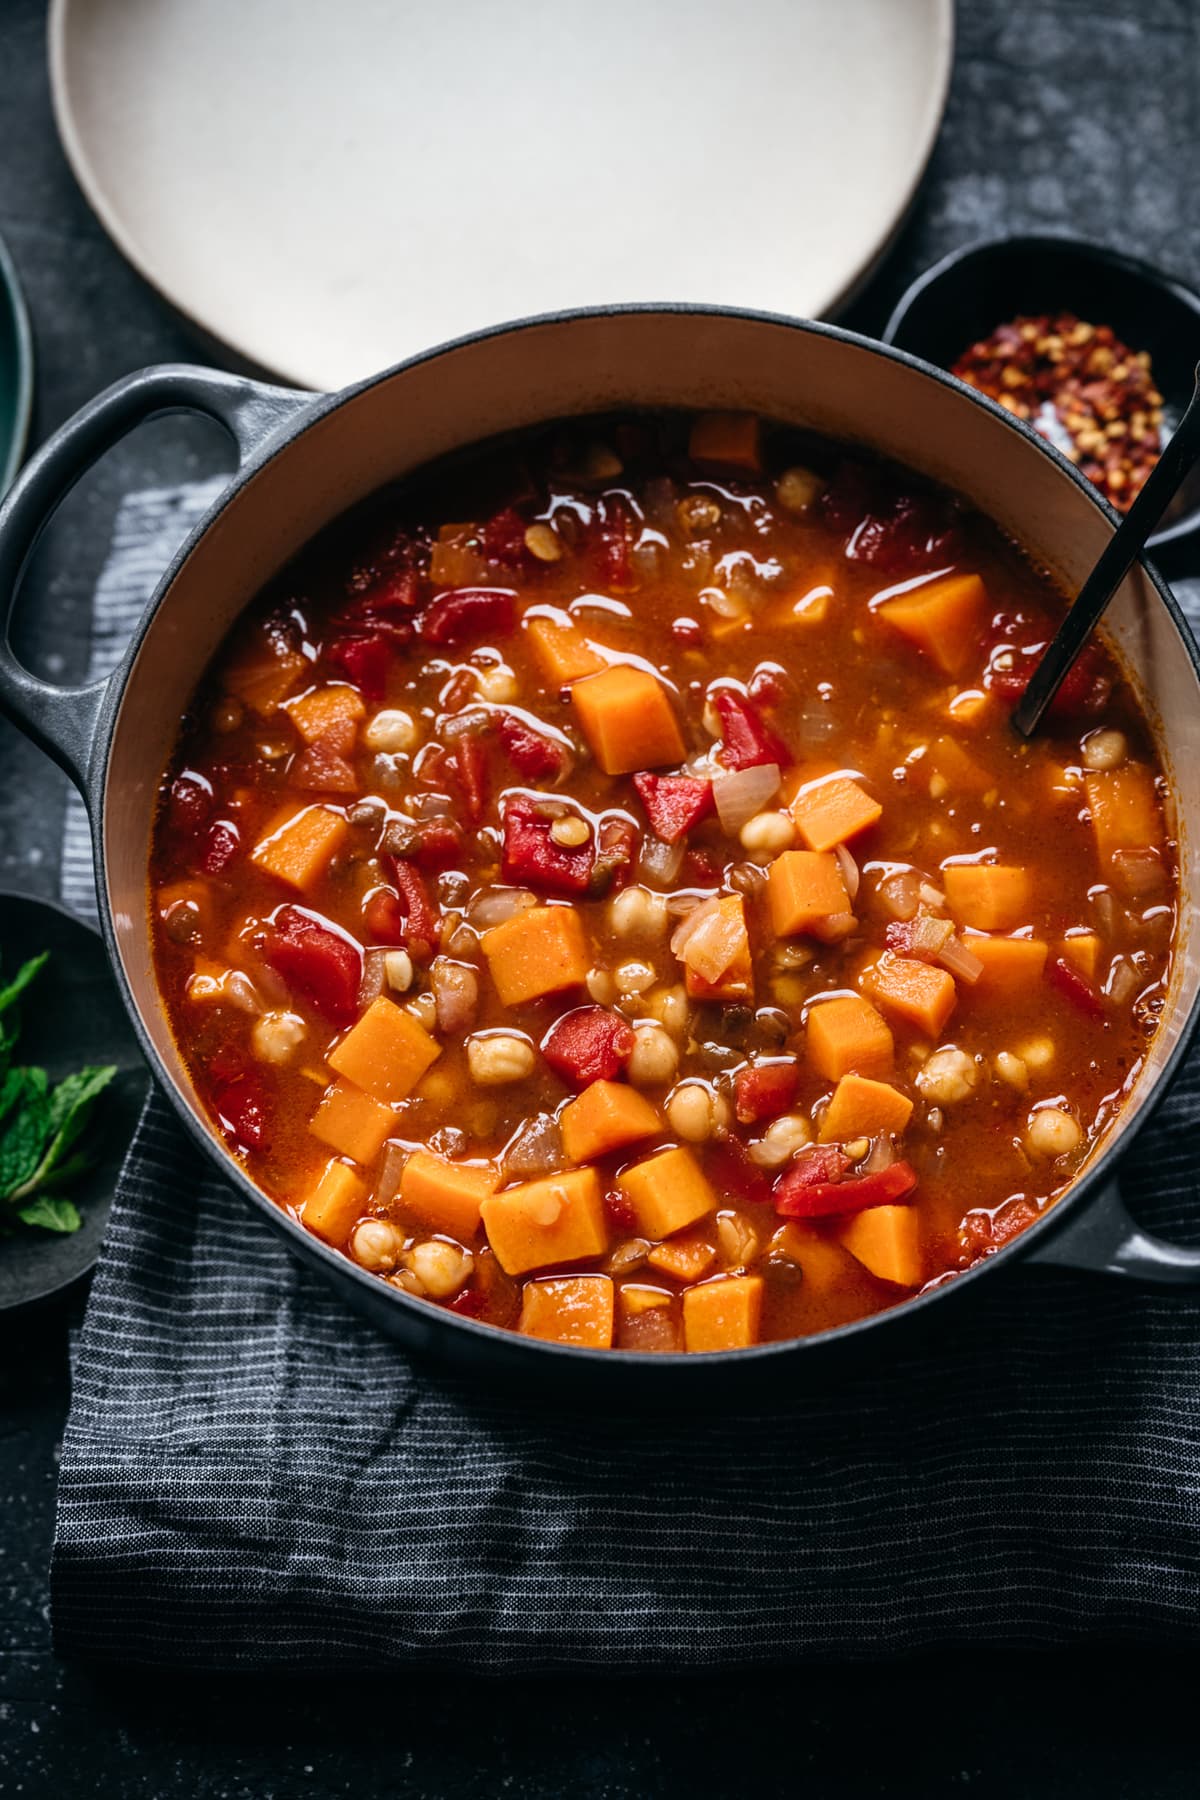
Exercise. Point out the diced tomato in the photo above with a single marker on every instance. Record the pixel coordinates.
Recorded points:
(405, 917)
(464, 613)
(470, 1304)
(364, 661)
(732, 1173)
(221, 845)
(469, 762)
(1077, 989)
(1085, 689)
(530, 853)
(387, 605)
(619, 1212)
(897, 531)
(620, 842)
(438, 845)
(982, 1233)
(765, 1091)
(847, 498)
(802, 1192)
(191, 801)
(323, 964)
(746, 740)
(588, 1044)
(323, 770)
(700, 870)
(503, 539)
(674, 803)
(687, 631)
(243, 1111)
(533, 756)
(609, 544)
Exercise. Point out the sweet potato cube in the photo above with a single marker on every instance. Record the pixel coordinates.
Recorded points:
(334, 1204)
(561, 651)
(541, 951)
(332, 713)
(864, 1108)
(629, 722)
(351, 1122)
(1125, 811)
(559, 1219)
(635, 1298)
(848, 1034)
(823, 1263)
(803, 888)
(300, 847)
(685, 1257)
(831, 809)
(732, 439)
(912, 991)
(960, 772)
(886, 1241)
(262, 677)
(386, 1052)
(724, 1314)
(717, 961)
(969, 706)
(988, 896)
(667, 1192)
(1012, 966)
(944, 618)
(605, 1117)
(446, 1196)
(1082, 950)
(570, 1309)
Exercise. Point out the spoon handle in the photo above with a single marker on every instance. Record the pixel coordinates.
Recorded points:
(1119, 556)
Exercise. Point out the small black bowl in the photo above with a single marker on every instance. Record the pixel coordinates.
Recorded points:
(71, 1015)
(966, 295)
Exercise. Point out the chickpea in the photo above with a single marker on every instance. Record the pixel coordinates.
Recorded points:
(543, 541)
(949, 1076)
(1106, 749)
(1038, 1053)
(695, 1112)
(1051, 1132)
(634, 977)
(277, 1036)
(1011, 1069)
(671, 1007)
(781, 1140)
(376, 1244)
(572, 832)
(601, 987)
(797, 488)
(654, 1059)
(398, 970)
(767, 834)
(390, 731)
(737, 1240)
(636, 912)
(494, 1061)
(424, 1010)
(440, 1268)
(497, 684)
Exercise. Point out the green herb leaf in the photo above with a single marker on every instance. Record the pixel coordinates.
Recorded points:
(25, 1135)
(51, 1214)
(22, 979)
(67, 1112)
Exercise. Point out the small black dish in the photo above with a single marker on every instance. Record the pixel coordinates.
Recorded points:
(72, 1015)
(966, 295)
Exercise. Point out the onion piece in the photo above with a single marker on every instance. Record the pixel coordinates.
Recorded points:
(881, 1155)
(495, 905)
(962, 963)
(900, 894)
(390, 1170)
(1122, 981)
(931, 896)
(743, 793)
(374, 976)
(849, 869)
(688, 926)
(660, 863)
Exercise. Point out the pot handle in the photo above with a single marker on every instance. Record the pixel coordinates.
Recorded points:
(1105, 1240)
(64, 721)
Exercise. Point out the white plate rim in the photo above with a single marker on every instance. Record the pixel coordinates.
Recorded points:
(109, 213)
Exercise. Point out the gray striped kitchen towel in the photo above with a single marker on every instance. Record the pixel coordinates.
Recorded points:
(253, 1478)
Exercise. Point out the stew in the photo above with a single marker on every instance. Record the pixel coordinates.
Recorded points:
(598, 889)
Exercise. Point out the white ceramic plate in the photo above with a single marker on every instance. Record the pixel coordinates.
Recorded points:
(326, 186)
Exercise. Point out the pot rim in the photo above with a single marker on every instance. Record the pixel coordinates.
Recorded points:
(1087, 1186)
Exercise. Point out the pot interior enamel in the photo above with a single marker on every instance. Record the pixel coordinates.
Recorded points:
(801, 374)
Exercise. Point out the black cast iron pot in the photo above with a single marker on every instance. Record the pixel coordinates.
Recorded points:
(305, 459)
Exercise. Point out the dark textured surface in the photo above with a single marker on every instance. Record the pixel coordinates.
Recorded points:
(1065, 114)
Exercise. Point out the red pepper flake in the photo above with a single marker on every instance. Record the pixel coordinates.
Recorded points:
(1081, 387)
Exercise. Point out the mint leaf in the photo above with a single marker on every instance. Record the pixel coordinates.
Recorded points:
(66, 1114)
(50, 1214)
(12, 1086)
(24, 1137)
(22, 979)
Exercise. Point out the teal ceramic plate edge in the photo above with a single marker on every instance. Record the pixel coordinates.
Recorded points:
(16, 370)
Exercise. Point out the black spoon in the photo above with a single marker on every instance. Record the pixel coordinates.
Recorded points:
(1123, 550)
